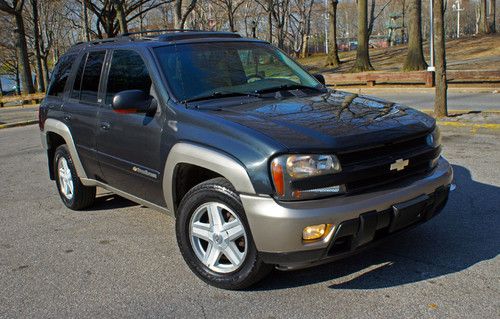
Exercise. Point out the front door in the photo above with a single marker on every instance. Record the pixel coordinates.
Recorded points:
(128, 143)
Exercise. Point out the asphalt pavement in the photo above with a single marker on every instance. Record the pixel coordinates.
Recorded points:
(120, 259)
(475, 99)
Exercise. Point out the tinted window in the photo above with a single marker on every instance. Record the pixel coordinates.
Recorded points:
(60, 75)
(127, 72)
(78, 79)
(91, 76)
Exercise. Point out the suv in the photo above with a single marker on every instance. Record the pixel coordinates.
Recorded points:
(261, 165)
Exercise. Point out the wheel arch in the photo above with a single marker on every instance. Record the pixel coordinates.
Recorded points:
(210, 162)
(56, 133)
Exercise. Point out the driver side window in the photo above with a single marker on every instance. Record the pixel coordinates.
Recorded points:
(127, 72)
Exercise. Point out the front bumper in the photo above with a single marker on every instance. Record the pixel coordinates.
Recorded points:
(361, 219)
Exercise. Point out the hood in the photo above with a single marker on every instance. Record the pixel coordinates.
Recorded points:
(331, 121)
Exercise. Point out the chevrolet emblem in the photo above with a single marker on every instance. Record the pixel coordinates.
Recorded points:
(399, 164)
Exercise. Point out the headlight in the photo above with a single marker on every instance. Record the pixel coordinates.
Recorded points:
(288, 168)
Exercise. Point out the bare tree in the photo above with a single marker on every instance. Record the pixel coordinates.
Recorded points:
(182, 10)
(415, 56)
(36, 43)
(332, 58)
(362, 62)
(16, 10)
(492, 16)
(483, 21)
(440, 101)
(230, 6)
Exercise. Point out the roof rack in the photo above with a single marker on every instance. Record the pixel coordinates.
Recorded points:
(126, 34)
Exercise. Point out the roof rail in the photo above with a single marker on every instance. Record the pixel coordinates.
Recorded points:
(126, 34)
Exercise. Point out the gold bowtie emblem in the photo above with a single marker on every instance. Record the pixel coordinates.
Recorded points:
(399, 164)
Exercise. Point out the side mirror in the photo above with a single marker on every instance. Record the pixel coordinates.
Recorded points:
(134, 100)
(320, 78)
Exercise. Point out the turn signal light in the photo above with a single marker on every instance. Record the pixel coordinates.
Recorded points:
(314, 232)
(278, 178)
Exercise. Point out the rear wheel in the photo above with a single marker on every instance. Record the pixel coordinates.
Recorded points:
(73, 193)
(214, 237)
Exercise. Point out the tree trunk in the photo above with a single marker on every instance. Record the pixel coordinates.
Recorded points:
(36, 36)
(181, 12)
(362, 55)
(415, 56)
(492, 16)
(270, 21)
(483, 21)
(120, 16)
(332, 58)
(305, 46)
(22, 51)
(440, 101)
(85, 18)
(45, 68)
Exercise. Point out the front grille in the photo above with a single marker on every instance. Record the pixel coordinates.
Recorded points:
(371, 167)
(368, 168)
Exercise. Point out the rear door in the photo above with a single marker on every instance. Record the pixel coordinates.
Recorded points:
(128, 143)
(82, 107)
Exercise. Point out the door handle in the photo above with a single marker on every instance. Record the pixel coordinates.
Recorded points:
(105, 126)
(67, 118)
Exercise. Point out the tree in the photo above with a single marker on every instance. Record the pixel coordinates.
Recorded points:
(415, 56)
(483, 21)
(332, 59)
(362, 62)
(300, 24)
(230, 7)
(16, 10)
(181, 12)
(492, 16)
(440, 101)
(278, 11)
(36, 43)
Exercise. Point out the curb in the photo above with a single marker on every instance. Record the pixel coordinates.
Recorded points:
(473, 126)
(16, 124)
(463, 112)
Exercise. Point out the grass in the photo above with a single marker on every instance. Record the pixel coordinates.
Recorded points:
(471, 53)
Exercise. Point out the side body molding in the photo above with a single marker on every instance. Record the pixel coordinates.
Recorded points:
(207, 158)
(58, 127)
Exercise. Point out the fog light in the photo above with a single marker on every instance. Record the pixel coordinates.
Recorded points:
(314, 232)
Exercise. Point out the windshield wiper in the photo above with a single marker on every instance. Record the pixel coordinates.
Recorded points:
(288, 87)
(219, 94)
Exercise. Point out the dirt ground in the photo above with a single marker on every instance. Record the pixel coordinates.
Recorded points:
(471, 53)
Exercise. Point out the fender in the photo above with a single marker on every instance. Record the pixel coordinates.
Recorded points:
(207, 158)
(61, 129)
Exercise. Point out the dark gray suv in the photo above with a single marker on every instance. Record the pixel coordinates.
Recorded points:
(261, 165)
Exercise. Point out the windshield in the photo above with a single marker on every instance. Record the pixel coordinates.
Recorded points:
(206, 69)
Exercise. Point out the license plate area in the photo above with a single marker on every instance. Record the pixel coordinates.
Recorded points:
(407, 213)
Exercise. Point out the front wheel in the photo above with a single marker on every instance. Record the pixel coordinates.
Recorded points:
(214, 237)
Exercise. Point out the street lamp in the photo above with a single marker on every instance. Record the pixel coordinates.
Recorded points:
(431, 67)
(326, 26)
(456, 7)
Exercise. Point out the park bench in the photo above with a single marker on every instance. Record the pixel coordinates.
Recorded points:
(25, 99)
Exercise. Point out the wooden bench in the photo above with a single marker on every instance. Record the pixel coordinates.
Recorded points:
(372, 78)
(473, 76)
(26, 99)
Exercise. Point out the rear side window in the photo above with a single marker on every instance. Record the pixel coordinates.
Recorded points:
(60, 75)
(91, 76)
(75, 94)
(127, 72)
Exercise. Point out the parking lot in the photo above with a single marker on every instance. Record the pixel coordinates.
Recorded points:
(121, 260)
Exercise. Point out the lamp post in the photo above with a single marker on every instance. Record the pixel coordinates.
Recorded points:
(326, 26)
(431, 67)
(456, 7)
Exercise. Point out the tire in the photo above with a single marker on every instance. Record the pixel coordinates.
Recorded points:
(233, 270)
(73, 193)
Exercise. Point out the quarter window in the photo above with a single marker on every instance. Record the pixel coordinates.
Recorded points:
(91, 76)
(60, 75)
(128, 72)
(75, 94)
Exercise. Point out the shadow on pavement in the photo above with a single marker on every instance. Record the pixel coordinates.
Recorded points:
(111, 201)
(464, 234)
